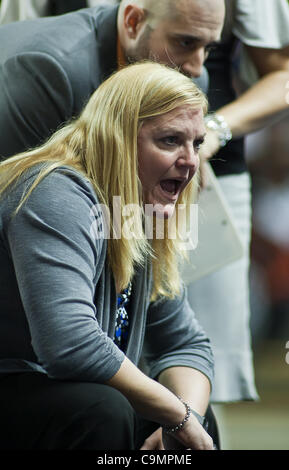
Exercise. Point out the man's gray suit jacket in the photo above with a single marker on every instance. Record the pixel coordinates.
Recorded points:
(49, 67)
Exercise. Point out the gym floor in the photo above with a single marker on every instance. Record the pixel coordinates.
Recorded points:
(262, 425)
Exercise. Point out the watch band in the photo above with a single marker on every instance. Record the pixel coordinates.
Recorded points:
(200, 418)
(217, 123)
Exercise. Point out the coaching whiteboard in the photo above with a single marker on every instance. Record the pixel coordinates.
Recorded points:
(218, 240)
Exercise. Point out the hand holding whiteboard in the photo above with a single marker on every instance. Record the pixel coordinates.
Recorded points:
(218, 240)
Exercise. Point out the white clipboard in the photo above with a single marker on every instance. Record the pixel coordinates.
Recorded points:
(219, 242)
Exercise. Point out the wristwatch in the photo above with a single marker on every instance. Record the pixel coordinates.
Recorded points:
(217, 123)
(202, 419)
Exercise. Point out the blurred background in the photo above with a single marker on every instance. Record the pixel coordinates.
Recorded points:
(261, 425)
(264, 424)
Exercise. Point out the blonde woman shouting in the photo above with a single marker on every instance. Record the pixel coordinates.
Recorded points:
(82, 297)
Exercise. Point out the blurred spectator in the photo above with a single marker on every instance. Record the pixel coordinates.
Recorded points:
(269, 165)
(221, 299)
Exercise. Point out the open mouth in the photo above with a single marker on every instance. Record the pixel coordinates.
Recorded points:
(171, 186)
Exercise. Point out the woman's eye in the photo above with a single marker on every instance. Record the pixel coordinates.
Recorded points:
(185, 43)
(170, 140)
(198, 144)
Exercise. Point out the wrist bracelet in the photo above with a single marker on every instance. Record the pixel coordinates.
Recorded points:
(203, 422)
(217, 123)
(171, 429)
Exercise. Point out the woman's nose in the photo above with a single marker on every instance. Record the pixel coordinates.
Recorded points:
(189, 158)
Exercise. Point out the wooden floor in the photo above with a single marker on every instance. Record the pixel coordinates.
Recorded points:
(262, 425)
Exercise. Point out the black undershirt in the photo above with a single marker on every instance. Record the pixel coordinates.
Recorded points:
(230, 159)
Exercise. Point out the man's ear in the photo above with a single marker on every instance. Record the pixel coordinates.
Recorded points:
(133, 19)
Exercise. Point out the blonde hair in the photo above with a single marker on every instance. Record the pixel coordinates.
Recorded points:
(102, 144)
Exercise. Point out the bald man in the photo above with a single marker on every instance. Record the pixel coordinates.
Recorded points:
(49, 67)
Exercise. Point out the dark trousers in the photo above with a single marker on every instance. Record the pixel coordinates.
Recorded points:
(37, 412)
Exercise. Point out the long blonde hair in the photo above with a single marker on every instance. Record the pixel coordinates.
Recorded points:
(102, 144)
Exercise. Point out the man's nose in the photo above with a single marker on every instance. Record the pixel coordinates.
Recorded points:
(194, 64)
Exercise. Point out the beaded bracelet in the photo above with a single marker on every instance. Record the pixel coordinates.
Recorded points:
(172, 429)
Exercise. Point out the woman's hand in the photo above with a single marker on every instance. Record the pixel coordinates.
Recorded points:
(208, 149)
(154, 441)
(191, 436)
(158, 403)
(210, 146)
(192, 433)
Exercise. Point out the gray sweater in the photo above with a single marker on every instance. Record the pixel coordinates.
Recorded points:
(58, 298)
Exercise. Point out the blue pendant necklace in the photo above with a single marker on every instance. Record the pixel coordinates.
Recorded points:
(122, 320)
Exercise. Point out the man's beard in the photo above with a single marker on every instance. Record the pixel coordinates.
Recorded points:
(142, 51)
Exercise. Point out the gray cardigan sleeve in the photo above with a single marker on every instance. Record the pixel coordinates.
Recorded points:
(56, 261)
(175, 338)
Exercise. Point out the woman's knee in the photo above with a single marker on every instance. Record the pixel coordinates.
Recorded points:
(104, 420)
(51, 414)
